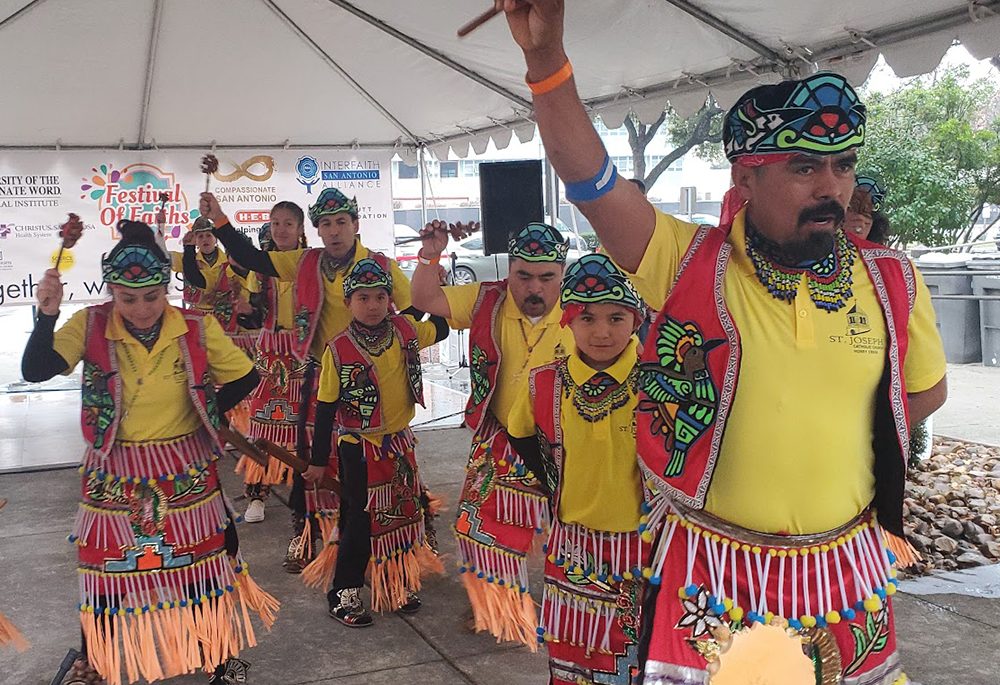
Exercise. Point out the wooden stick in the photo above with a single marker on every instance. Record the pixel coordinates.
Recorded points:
(243, 445)
(478, 21)
(296, 462)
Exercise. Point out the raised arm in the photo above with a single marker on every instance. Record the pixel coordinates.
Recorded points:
(41, 361)
(242, 251)
(425, 289)
(622, 217)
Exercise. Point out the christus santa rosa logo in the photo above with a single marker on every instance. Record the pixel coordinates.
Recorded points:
(134, 193)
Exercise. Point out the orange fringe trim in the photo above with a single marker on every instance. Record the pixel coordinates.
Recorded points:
(10, 635)
(276, 473)
(505, 613)
(327, 527)
(435, 504)
(906, 555)
(390, 579)
(169, 642)
(319, 572)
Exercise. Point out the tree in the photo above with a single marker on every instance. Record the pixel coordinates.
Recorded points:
(701, 132)
(936, 143)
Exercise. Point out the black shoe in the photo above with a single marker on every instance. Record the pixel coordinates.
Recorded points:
(82, 673)
(296, 559)
(412, 604)
(350, 610)
(233, 672)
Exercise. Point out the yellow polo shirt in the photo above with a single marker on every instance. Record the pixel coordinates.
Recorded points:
(797, 454)
(335, 316)
(601, 483)
(155, 401)
(398, 407)
(211, 272)
(523, 345)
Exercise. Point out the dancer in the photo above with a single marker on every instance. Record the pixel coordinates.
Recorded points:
(514, 328)
(574, 424)
(318, 315)
(865, 217)
(163, 588)
(369, 385)
(774, 495)
(275, 404)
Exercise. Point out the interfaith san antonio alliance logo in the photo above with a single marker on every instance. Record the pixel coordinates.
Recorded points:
(307, 172)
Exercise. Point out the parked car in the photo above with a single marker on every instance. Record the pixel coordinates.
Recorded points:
(471, 265)
(700, 219)
(406, 254)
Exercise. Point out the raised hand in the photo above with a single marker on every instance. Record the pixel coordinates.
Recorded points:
(459, 230)
(435, 238)
(188, 239)
(537, 25)
(50, 293)
(71, 231)
(208, 205)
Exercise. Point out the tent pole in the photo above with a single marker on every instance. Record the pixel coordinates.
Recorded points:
(722, 27)
(147, 91)
(423, 185)
(340, 70)
(433, 54)
(30, 6)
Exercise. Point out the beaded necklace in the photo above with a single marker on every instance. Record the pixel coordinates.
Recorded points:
(828, 279)
(147, 336)
(331, 266)
(374, 339)
(600, 394)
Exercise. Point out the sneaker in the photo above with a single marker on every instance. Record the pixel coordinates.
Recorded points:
(255, 512)
(350, 610)
(82, 673)
(233, 672)
(294, 563)
(412, 604)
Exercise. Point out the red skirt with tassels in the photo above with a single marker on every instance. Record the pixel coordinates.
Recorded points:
(163, 589)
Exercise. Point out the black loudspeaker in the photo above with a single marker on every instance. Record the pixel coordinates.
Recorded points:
(511, 197)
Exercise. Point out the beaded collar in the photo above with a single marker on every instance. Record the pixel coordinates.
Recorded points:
(829, 279)
(600, 395)
(331, 266)
(374, 339)
(147, 336)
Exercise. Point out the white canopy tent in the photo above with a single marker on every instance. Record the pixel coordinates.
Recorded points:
(388, 73)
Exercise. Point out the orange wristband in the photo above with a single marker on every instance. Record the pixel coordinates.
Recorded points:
(423, 260)
(549, 84)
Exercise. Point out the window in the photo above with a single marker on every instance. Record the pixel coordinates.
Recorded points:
(474, 244)
(404, 170)
(449, 169)
(470, 168)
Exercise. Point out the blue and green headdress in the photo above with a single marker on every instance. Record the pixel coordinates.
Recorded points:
(538, 242)
(136, 261)
(367, 273)
(264, 237)
(874, 187)
(595, 279)
(332, 201)
(819, 115)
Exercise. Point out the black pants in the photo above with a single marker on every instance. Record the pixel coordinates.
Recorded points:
(355, 522)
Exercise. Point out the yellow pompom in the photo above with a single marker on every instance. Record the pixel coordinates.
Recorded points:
(728, 603)
(832, 617)
(647, 573)
(736, 614)
(627, 575)
(745, 547)
(768, 617)
(772, 552)
(715, 537)
(682, 593)
(890, 589)
(647, 536)
(782, 553)
(755, 550)
(793, 552)
(171, 477)
(873, 604)
(808, 621)
(824, 548)
(552, 558)
(735, 545)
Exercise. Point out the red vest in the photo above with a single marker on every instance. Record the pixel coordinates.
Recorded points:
(309, 296)
(545, 384)
(484, 351)
(359, 408)
(102, 384)
(680, 431)
(219, 297)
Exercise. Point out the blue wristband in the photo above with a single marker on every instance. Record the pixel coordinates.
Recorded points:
(593, 188)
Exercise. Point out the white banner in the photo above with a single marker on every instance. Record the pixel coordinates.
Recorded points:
(39, 189)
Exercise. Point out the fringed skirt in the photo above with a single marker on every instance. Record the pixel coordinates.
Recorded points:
(500, 511)
(274, 406)
(397, 504)
(163, 588)
(591, 605)
(829, 589)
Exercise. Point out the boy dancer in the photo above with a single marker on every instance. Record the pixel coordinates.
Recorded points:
(574, 426)
(370, 381)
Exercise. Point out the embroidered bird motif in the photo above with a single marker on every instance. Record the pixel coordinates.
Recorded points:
(681, 387)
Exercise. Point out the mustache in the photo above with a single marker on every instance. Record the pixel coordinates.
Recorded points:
(831, 208)
(534, 299)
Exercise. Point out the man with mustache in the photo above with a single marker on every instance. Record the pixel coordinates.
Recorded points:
(514, 327)
(778, 383)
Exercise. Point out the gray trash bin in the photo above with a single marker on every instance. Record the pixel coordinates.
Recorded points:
(989, 310)
(957, 320)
